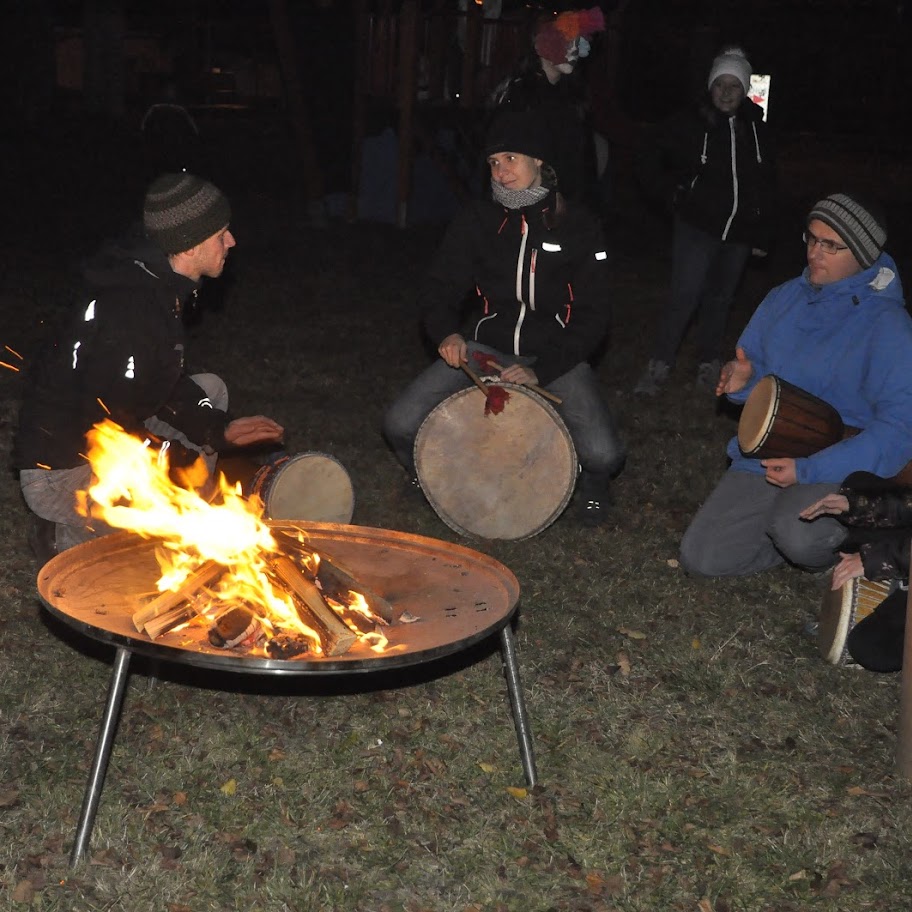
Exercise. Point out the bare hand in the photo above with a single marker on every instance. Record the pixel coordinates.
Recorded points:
(518, 373)
(453, 350)
(735, 374)
(849, 567)
(253, 429)
(780, 472)
(831, 505)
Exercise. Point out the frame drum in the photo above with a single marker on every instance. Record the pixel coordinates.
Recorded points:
(305, 486)
(500, 476)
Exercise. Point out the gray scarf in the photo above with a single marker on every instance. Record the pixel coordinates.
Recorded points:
(517, 199)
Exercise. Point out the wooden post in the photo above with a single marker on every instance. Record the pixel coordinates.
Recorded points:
(362, 64)
(297, 110)
(470, 53)
(408, 67)
(904, 743)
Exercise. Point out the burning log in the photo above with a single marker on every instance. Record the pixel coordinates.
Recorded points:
(236, 627)
(336, 583)
(168, 602)
(170, 619)
(335, 636)
(335, 580)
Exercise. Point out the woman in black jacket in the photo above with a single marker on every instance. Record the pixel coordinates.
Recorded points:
(712, 165)
(537, 266)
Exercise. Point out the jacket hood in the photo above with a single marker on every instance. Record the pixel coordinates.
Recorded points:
(117, 260)
(882, 276)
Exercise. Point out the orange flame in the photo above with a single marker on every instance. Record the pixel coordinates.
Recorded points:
(131, 489)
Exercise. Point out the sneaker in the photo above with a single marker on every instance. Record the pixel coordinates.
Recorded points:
(593, 513)
(708, 375)
(840, 610)
(653, 378)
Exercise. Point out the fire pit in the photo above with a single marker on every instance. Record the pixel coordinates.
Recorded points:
(444, 598)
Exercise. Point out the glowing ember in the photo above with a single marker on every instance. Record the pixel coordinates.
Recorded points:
(132, 489)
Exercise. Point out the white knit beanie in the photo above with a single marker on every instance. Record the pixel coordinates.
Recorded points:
(731, 62)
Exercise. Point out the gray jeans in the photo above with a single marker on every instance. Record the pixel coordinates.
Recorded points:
(748, 525)
(54, 494)
(592, 429)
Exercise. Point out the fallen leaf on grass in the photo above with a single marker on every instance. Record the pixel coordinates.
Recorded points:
(487, 767)
(632, 634)
(623, 662)
(704, 905)
(9, 798)
(517, 792)
(672, 562)
(799, 875)
(229, 788)
(719, 850)
(695, 643)
(24, 892)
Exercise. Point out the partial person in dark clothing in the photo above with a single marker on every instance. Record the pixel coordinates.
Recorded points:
(549, 83)
(121, 355)
(538, 267)
(712, 166)
(878, 514)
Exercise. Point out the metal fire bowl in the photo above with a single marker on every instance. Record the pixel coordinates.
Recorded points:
(459, 596)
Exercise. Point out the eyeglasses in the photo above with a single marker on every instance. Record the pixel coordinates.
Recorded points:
(826, 245)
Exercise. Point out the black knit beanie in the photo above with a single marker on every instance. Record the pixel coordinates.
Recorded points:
(859, 221)
(518, 131)
(181, 211)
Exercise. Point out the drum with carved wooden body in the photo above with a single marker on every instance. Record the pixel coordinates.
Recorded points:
(497, 476)
(841, 609)
(780, 419)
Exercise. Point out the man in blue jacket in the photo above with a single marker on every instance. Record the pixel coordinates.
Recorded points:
(840, 331)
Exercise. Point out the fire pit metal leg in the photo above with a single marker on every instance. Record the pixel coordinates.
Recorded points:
(102, 754)
(518, 703)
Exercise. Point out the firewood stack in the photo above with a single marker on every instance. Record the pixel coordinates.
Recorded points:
(310, 579)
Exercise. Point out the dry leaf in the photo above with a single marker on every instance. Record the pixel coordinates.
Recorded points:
(517, 792)
(623, 662)
(632, 634)
(229, 788)
(704, 905)
(799, 875)
(719, 850)
(179, 798)
(9, 798)
(487, 767)
(673, 562)
(24, 892)
(695, 643)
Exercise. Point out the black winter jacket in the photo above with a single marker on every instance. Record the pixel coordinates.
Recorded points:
(717, 173)
(119, 355)
(539, 292)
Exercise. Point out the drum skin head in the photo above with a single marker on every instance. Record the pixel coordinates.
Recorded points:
(308, 486)
(841, 609)
(505, 476)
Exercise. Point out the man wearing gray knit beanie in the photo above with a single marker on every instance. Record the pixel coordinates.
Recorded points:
(121, 355)
(838, 339)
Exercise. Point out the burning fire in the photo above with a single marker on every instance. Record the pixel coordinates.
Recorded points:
(132, 489)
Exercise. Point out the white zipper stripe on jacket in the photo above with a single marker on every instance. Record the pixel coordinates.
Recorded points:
(731, 132)
(524, 228)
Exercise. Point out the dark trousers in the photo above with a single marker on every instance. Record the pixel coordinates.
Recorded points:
(705, 273)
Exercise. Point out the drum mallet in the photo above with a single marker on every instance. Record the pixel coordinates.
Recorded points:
(532, 386)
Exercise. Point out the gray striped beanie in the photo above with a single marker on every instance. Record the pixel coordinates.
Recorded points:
(861, 223)
(181, 211)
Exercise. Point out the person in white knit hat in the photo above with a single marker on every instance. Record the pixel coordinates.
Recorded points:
(712, 165)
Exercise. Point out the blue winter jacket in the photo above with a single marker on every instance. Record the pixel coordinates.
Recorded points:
(850, 344)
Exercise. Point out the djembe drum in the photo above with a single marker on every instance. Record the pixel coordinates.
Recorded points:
(305, 486)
